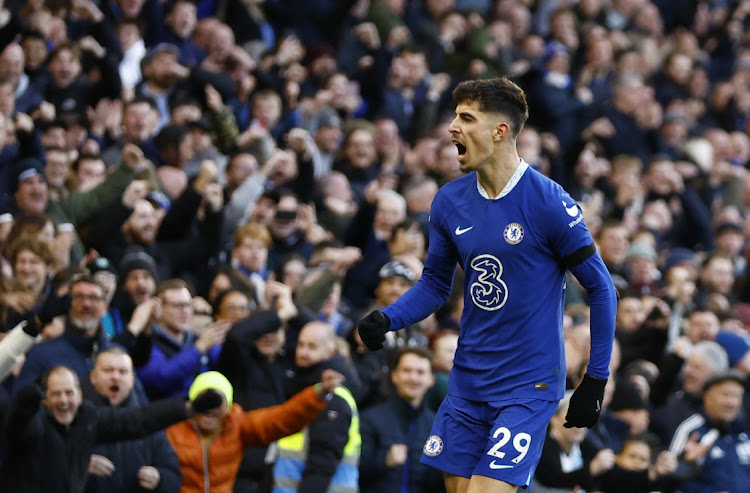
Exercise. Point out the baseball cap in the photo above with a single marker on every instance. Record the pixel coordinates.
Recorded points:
(396, 268)
(733, 375)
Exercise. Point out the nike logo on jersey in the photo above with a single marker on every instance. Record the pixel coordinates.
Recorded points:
(460, 231)
(499, 466)
(572, 210)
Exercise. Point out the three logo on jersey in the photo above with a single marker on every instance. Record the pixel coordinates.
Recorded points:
(489, 292)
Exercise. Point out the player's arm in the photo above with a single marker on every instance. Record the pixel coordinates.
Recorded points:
(585, 404)
(568, 235)
(427, 295)
(595, 278)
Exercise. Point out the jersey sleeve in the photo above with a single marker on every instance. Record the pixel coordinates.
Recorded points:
(569, 237)
(595, 278)
(567, 233)
(434, 286)
(441, 242)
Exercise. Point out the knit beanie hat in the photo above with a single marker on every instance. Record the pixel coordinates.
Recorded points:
(211, 380)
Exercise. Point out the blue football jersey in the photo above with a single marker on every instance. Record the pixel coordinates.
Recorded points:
(513, 251)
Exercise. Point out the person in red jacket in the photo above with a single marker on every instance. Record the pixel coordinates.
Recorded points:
(222, 434)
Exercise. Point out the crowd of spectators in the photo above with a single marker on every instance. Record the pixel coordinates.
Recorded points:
(229, 185)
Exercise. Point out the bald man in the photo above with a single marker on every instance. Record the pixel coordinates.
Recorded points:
(329, 447)
(12, 65)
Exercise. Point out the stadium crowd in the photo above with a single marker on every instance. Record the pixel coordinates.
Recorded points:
(223, 188)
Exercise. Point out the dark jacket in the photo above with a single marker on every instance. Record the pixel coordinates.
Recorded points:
(327, 435)
(550, 473)
(396, 422)
(72, 349)
(129, 456)
(257, 382)
(48, 457)
(362, 278)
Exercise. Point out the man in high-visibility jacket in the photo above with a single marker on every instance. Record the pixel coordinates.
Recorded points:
(324, 457)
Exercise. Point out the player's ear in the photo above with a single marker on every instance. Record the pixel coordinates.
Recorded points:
(500, 132)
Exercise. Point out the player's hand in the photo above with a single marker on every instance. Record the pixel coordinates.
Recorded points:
(586, 403)
(372, 329)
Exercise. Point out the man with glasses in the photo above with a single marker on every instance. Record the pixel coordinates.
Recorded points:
(82, 339)
(177, 354)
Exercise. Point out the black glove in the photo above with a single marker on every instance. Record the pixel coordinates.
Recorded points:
(207, 401)
(586, 403)
(52, 306)
(372, 329)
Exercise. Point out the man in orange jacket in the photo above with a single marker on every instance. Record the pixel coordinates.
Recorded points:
(222, 434)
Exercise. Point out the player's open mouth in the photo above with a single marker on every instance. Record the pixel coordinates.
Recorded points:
(113, 389)
(461, 149)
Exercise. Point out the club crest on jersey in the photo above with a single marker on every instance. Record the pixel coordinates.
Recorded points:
(433, 446)
(513, 233)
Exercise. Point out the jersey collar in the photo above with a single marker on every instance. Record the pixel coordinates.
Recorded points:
(522, 167)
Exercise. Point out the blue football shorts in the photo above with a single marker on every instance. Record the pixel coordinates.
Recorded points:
(501, 440)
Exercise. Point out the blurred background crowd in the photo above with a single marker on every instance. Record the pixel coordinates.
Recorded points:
(230, 184)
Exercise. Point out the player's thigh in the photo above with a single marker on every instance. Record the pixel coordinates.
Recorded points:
(456, 484)
(514, 444)
(477, 484)
(458, 436)
(483, 484)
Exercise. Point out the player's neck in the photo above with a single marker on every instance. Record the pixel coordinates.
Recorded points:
(494, 177)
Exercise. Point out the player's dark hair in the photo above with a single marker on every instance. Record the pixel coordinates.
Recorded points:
(498, 95)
